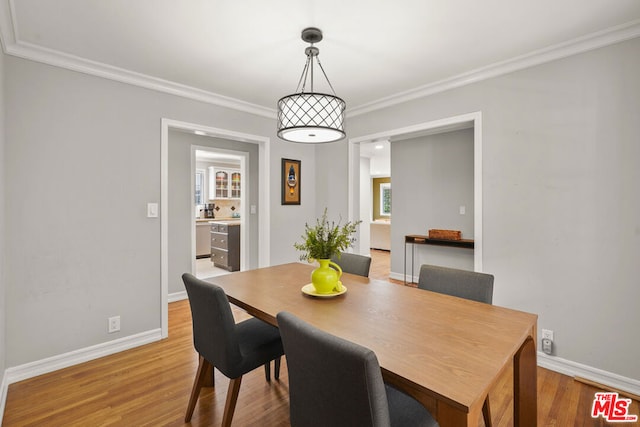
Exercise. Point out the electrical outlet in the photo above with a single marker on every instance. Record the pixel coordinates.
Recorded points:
(547, 334)
(114, 324)
(547, 346)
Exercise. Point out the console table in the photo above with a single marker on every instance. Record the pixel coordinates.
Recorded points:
(416, 239)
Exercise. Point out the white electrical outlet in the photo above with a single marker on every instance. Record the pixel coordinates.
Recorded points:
(547, 334)
(114, 324)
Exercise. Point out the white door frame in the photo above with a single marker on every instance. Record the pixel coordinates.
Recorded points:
(263, 203)
(428, 128)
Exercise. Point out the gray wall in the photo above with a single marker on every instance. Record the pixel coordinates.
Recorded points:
(79, 245)
(432, 176)
(561, 206)
(287, 221)
(181, 196)
(2, 216)
(330, 191)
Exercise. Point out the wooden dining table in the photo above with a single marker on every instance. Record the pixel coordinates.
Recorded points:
(447, 352)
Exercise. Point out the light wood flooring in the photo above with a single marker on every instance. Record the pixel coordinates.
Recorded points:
(150, 386)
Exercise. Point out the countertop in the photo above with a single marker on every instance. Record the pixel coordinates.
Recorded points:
(229, 221)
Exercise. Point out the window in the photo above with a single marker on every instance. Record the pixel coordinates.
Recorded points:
(199, 190)
(385, 199)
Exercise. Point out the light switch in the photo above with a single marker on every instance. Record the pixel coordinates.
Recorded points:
(253, 209)
(152, 210)
(463, 210)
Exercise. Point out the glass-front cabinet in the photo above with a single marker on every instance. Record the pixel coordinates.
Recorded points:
(224, 183)
(235, 185)
(221, 185)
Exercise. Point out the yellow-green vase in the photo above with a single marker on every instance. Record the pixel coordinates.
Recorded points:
(326, 280)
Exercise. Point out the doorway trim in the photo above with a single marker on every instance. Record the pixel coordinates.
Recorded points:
(429, 128)
(264, 234)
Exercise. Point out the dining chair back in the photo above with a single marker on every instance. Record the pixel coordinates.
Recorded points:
(459, 283)
(234, 349)
(353, 263)
(335, 382)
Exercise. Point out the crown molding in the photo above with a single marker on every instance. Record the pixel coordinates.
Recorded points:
(586, 43)
(82, 65)
(13, 46)
(7, 28)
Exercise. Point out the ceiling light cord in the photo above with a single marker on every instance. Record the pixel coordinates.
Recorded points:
(325, 76)
(303, 77)
(312, 52)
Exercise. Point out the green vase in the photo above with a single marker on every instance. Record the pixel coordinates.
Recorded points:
(326, 280)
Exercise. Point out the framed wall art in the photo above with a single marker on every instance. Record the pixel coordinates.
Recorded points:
(290, 182)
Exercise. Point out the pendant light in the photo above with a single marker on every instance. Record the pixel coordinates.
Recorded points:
(307, 116)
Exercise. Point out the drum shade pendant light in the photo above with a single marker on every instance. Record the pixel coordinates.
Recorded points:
(307, 116)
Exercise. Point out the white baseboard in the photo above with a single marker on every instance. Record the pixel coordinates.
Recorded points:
(400, 276)
(4, 388)
(177, 296)
(575, 369)
(50, 364)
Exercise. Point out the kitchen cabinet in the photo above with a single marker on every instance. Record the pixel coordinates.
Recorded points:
(203, 239)
(225, 245)
(224, 183)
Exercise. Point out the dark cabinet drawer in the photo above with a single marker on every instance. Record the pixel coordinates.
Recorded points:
(225, 246)
(219, 240)
(220, 257)
(219, 228)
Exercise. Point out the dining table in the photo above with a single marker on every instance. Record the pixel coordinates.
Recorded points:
(445, 351)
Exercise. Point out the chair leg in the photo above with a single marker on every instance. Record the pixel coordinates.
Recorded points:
(232, 398)
(486, 412)
(276, 369)
(203, 367)
(209, 377)
(267, 371)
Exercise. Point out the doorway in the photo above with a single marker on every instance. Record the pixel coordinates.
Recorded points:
(375, 205)
(466, 121)
(259, 210)
(221, 204)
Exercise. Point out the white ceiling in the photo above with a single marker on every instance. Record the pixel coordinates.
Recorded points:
(373, 50)
(379, 154)
(217, 155)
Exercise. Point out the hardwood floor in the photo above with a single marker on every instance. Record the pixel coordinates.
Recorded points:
(380, 264)
(150, 386)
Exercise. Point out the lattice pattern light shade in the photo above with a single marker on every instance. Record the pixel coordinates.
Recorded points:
(311, 118)
(308, 116)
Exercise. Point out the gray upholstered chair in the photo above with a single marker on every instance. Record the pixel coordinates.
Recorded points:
(235, 349)
(458, 283)
(465, 284)
(353, 263)
(334, 382)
